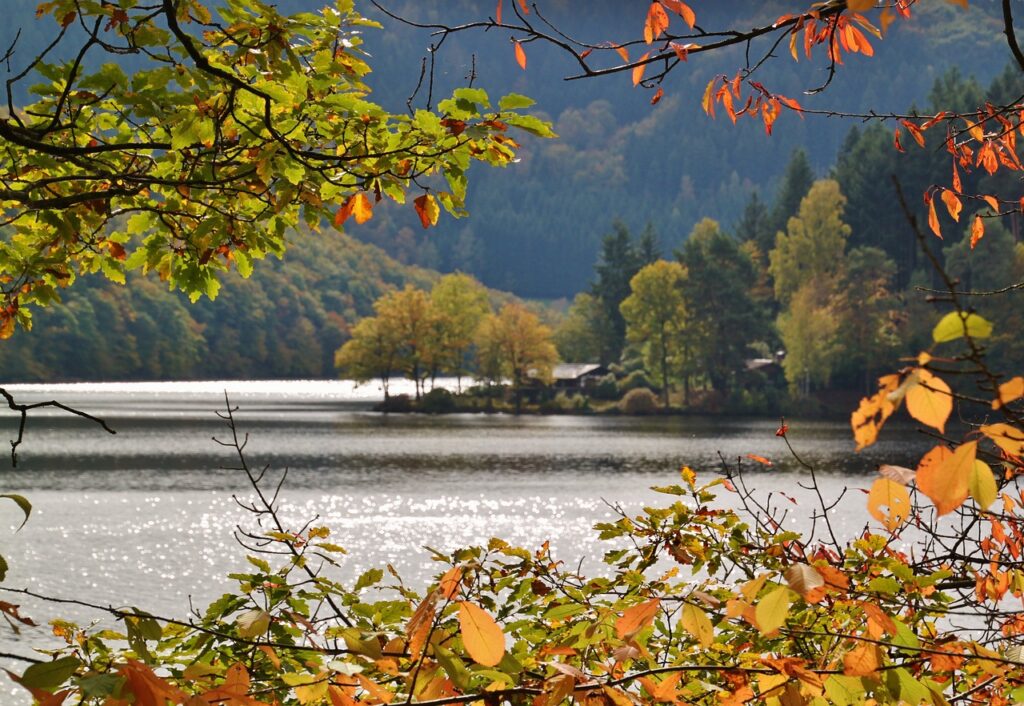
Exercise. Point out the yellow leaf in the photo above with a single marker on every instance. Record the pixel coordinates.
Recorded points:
(1009, 438)
(696, 622)
(427, 209)
(483, 639)
(772, 610)
(893, 496)
(982, 485)
(945, 480)
(952, 326)
(930, 401)
(638, 617)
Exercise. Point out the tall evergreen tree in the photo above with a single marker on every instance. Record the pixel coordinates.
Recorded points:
(796, 182)
(618, 262)
(724, 317)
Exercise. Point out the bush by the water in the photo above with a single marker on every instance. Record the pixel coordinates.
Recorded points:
(607, 388)
(639, 401)
(438, 401)
(632, 381)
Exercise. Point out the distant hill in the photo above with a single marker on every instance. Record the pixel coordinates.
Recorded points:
(535, 227)
(286, 321)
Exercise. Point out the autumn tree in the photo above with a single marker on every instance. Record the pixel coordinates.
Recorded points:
(409, 318)
(514, 344)
(657, 322)
(811, 248)
(460, 303)
(371, 352)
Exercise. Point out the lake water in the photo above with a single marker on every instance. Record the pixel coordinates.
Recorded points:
(146, 517)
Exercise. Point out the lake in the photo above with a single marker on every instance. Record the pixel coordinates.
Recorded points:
(146, 517)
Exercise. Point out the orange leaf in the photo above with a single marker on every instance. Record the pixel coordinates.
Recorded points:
(657, 96)
(450, 582)
(497, 13)
(656, 22)
(1009, 391)
(622, 51)
(418, 628)
(893, 496)
(760, 459)
(525, 8)
(362, 209)
(1008, 438)
(930, 401)
(992, 202)
(861, 661)
(638, 617)
(482, 637)
(953, 204)
(977, 231)
(914, 131)
(520, 54)
(933, 219)
(957, 185)
(638, 70)
(945, 481)
(896, 141)
(427, 209)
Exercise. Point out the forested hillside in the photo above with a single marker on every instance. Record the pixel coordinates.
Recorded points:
(536, 228)
(286, 321)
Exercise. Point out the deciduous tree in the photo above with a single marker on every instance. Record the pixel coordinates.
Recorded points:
(657, 321)
(514, 344)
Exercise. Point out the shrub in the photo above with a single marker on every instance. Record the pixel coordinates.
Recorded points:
(438, 401)
(639, 401)
(633, 381)
(606, 388)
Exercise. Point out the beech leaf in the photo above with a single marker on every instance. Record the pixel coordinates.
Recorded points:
(952, 326)
(696, 622)
(982, 485)
(772, 610)
(946, 476)
(635, 619)
(892, 495)
(930, 401)
(482, 637)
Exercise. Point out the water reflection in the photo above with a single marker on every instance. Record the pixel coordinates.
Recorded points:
(146, 517)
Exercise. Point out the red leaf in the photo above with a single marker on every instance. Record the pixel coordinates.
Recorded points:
(657, 96)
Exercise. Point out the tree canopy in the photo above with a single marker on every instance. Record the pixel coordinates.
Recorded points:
(237, 124)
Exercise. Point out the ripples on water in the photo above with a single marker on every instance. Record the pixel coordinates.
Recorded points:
(145, 518)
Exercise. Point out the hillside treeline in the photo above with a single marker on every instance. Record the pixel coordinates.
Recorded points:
(286, 321)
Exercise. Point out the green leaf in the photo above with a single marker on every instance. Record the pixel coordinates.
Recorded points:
(953, 326)
(533, 125)
(368, 578)
(473, 95)
(23, 503)
(50, 675)
(514, 101)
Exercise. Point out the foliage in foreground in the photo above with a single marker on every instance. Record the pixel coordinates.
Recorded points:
(700, 601)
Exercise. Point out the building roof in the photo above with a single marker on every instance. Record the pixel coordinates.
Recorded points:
(574, 371)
